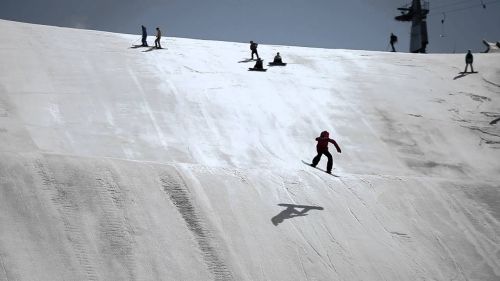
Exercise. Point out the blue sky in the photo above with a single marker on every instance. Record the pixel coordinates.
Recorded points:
(349, 24)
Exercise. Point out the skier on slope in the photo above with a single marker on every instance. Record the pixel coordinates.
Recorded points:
(468, 61)
(322, 148)
(144, 36)
(253, 48)
(158, 37)
(394, 39)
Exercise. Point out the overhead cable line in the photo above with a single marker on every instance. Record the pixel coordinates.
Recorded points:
(451, 4)
(483, 4)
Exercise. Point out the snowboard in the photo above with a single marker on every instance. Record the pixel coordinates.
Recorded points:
(473, 72)
(257, 69)
(309, 164)
(276, 64)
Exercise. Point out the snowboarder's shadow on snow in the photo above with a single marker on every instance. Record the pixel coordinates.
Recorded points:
(152, 48)
(291, 212)
(462, 74)
(246, 60)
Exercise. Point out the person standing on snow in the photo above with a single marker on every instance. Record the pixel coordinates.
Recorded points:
(322, 149)
(468, 61)
(394, 39)
(253, 48)
(144, 36)
(158, 37)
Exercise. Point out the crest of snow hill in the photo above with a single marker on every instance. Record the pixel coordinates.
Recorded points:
(179, 164)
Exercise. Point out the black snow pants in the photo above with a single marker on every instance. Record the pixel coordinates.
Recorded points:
(467, 66)
(255, 52)
(318, 157)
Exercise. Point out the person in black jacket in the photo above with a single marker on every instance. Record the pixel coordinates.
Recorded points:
(277, 58)
(259, 64)
(322, 148)
(144, 36)
(468, 61)
(394, 39)
(253, 48)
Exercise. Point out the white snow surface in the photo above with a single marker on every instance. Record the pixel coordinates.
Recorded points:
(119, 164)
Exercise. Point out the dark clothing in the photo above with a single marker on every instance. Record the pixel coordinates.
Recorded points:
(322, 149)
(318, 157)
(323, 143)
(468, 61)
(469, 58)
(255, 52)
(467, 66)
(144, 36)
(277, 59)
(253, 48)
(393, 40)
(258, 64)
(158, 37)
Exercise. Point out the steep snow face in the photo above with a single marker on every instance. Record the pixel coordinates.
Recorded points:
(179, 164)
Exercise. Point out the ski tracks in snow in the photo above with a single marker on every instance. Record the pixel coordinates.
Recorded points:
(3, 273)
(68, 214)
(117, 242)
(178, 192)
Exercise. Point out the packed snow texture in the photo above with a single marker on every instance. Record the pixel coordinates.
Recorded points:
(119, 164)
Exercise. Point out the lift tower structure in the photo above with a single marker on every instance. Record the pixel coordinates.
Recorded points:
(417, 14)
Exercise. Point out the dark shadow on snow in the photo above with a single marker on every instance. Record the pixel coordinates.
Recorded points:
(246, 60)
(463, 74)
(460, 76)
(292, 211)
(494, 121)
(151, 49)
(138, 46)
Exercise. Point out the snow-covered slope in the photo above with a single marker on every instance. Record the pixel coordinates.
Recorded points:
(118, 164)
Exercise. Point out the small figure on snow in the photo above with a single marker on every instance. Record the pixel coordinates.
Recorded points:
(158, 37)
(322, 148)
(144, 36)
(259, 64)
(469, 58)
(277, 59)
(253, 48)
(394, 39)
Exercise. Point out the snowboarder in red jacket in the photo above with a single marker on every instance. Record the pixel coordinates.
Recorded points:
(322, 148)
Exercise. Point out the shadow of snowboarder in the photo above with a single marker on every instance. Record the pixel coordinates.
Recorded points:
(246, 60)
(291, 212)
(463, 74)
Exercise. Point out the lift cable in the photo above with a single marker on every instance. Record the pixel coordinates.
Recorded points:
(483, 5)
